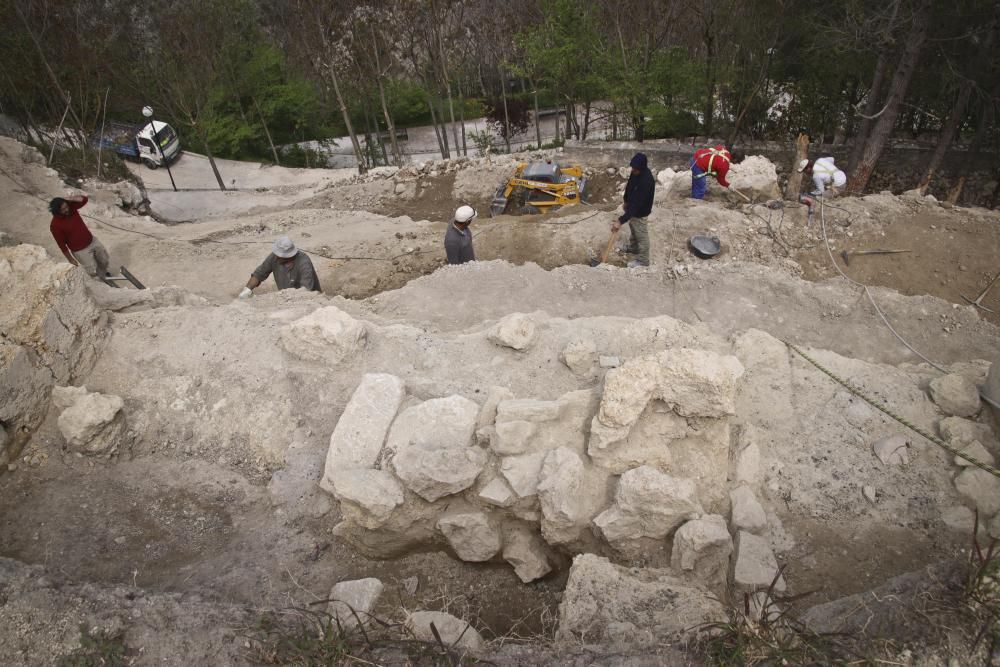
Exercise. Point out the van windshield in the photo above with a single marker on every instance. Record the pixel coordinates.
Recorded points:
(165, 135)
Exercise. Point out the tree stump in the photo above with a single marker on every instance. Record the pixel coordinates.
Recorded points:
(795, 176)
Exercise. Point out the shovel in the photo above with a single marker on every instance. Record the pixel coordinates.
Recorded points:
(845, 255)
(977, 302)
(595, 261)
(732, 189)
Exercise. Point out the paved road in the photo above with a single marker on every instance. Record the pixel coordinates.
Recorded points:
(421, 143)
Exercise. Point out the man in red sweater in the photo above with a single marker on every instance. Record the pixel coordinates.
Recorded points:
(80, 247)
(713, 161)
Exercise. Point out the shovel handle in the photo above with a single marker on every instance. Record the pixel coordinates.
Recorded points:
(741, 194)
(611, 243)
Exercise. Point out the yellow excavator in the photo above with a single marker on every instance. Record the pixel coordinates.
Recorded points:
(539, 187)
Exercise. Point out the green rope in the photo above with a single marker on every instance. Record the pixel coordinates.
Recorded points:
(878, 406)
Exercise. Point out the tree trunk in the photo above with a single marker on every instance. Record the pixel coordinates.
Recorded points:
(390, 126)
(538, 124)
(359, 156)
(397, 156)
(506, 117)
(709, 83)
(795, 176)
(985, 121)
(586, 120)
(58, 130)
(875, 144)
(871, 107)
(267, 132)
(444, 130)
(208, 152)
(451, 115)
(461, 117)
(434, 124)
(947, 134)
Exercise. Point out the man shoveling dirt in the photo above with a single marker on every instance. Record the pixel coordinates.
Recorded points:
(713, 161)
(291, 267)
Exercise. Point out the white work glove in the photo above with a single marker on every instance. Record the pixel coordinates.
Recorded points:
(246, 293)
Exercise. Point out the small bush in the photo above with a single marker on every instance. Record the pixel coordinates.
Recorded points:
(297, 156)
(666, 123)
(82, 164)
(97, 650)
(484, 141)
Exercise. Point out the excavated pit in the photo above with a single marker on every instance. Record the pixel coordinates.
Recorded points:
(224, 483)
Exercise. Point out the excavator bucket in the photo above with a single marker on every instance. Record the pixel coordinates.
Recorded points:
(499, 204)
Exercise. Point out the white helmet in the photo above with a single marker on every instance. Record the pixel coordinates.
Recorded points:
(465, 214)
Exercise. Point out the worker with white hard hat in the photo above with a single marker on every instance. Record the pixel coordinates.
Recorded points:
(458, 239)
(827, 180)
(824, 173)
(291, 267)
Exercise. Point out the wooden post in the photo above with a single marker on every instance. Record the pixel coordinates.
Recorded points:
(795, 176)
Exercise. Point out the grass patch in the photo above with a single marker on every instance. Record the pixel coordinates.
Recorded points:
(304, 637)
(761, 630)
(982, 591)
(97, 650)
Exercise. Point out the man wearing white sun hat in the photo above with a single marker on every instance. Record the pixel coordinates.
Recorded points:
(291, 267)
(458, 239)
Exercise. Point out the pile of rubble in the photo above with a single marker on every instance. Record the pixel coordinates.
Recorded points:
(53, 333)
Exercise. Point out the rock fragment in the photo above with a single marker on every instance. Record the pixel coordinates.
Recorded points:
(955, 395)
(980, 489)
(748, 514)
(892, 450)
(368, 497)
(471, 535)
(93, 424)
(648, 503)
(525, 550)
(579, 355)
(361, 430)
(452, 630)
(635, 608)
(754, 565)
(435, 472)
(326, 335)
(515, 331)
(974, 450)
(703, 547)
(352, 601)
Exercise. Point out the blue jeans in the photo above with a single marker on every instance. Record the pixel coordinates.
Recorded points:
(699, 182)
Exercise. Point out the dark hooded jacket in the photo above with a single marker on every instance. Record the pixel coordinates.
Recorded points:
(638, 195)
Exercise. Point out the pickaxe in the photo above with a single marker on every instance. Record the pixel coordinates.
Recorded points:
(979, 298)
(845, 255)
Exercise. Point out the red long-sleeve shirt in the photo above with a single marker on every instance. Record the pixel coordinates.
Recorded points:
(70, 232)
(714, 161)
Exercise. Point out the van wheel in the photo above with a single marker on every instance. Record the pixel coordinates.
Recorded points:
(150, 164)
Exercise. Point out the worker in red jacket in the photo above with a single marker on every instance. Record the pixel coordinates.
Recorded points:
(80, 247)
(713, 161)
